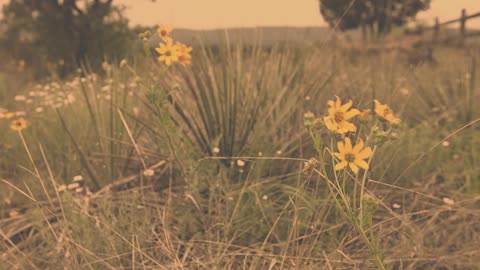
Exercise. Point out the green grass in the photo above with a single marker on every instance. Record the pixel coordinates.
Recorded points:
(201, 209)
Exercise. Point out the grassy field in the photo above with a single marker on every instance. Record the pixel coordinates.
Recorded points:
(220, 165)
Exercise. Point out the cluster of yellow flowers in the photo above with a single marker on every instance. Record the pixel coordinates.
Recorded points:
(338, 121)
(338, 115)
(170, 52)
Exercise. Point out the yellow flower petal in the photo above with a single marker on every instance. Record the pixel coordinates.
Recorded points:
(338, 102)
(331, 111)
(341, 165)
(347, 126)
(385, 112)
(329, 123)
(340, 155)
(353, 167)
(359, 146)
(365, 153)
(352, 113)
(348, 145)
(361, 163)
(345, 106)
(341, 147)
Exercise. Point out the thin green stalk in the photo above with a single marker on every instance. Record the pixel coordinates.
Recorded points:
(362, 187)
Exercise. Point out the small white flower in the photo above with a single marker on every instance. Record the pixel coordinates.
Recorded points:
(20, 98)
(448, 201)
(55, 85)
(73, 186)
(216, 150)
(279, 152)
(396, 206)
(265, 197)
(149, 172)
(70, 98)
(42, 93)
(106, 88)
(240, 163)
(260, 154)
(61, 188)
(445, 143)
(77, 178)
(136, 111)
(404, 91)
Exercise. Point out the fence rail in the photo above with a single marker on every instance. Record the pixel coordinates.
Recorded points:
(462, 20)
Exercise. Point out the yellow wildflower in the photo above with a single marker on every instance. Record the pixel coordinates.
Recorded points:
(184, 56)
(164, 32)
(7, 115)
(338, 115)
(168, 53)
(352, 156)
(385, 112)
(18, 124)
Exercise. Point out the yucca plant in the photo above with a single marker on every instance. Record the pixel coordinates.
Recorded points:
(240, 97)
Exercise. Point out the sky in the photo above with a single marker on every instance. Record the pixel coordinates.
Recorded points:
(207, 14)
(210, 14)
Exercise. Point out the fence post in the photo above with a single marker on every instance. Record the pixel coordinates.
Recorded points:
(463, 19)
(436, 29)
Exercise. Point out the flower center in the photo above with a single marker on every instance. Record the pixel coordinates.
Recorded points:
(338, 117)
(349, 157)
(387, 112)
(163, 33)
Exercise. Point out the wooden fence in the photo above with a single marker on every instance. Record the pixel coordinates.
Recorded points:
(463, 29)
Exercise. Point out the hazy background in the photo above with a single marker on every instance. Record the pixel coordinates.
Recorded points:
(210, 14)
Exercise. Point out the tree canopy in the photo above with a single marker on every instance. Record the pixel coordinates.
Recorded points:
(379, 15)
(71, 32)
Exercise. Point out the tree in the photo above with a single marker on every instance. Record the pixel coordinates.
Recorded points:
(379, 15)
(71, 32)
